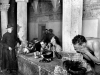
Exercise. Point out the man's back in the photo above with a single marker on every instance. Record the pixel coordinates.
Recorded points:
(97, 54)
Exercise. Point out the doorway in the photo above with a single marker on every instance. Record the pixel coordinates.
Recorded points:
(41, 28)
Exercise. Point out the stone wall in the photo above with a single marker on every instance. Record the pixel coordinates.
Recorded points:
(4, 1)
(91, 18)
(91, 9)
(45, 15)
(45, 9)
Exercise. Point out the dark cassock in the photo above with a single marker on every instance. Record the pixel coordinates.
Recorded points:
(9, 59)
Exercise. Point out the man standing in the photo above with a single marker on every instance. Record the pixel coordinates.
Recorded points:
(37, 47)
(45, 36)
(90, 49)
(50, 34)
(9, 60)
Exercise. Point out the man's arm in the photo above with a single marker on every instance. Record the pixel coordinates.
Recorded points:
(96, 47)
(96, 58)
(4, 40)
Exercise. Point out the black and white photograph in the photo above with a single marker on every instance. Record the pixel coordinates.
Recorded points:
(49, 37)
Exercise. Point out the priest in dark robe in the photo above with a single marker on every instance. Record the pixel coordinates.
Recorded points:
(9, 59)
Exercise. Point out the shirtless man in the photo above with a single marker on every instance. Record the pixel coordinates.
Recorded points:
(89, 48)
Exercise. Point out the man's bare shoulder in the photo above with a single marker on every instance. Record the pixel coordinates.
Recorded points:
(93, 41)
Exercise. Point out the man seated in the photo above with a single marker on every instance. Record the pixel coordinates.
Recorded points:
(31, 47)
(56, 47)
(37, 48)
(47, 54)
(90, 49)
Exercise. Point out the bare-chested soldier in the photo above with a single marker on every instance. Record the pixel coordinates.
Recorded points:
(90, 49)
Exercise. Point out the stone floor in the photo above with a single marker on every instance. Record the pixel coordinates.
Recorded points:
(5, 73)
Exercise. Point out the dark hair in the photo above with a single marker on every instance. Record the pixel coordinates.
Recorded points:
(35, 38)
(57, 40)
(80, 39)
(46, 29)
(51, 30)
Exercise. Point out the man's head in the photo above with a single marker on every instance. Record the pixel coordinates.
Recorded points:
(43, 44)
(35, 40)
(79, 42)
(9, 28)
(55, 40)
(50, 30)
(46, 30)
(30, 44)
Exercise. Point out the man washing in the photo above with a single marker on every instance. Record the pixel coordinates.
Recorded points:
(90, 49)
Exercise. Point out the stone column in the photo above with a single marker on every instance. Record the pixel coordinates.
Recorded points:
(72, 22)
(4, 17)
(22, 20)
